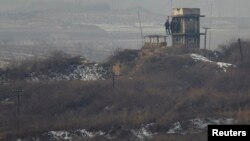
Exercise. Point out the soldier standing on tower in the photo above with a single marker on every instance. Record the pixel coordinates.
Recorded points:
(167, 26)
(172, 26)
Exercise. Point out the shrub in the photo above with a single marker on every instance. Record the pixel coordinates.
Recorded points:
(57, 62)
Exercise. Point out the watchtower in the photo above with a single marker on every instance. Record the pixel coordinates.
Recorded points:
(185, 27)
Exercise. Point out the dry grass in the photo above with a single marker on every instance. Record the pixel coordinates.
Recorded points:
(163, 93)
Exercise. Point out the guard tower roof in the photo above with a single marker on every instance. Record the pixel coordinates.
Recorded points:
(186, 12)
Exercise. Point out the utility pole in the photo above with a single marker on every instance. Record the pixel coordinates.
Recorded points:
(205, 39)
(241, 53)
(211, 22)
(139, 19)
(113, 79)
(171, 1)
(18, 93)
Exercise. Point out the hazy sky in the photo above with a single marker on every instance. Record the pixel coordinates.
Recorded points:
(226, 8)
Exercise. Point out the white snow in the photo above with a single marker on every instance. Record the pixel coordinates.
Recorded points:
(175, 129)
(221, 65)
(70, 135)
(224, 66)
(142, 134)
(198, 57)
(60, 135)
(75, 72)
(35, 139)
(100, 133)
(222, 121)
(87, 72)
(198, 123)
(85, 133)
(203, 123)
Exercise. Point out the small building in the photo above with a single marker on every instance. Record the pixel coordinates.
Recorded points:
(185, 27)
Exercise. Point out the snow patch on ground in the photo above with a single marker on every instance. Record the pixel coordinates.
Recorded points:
(72, 135)
(224, 66)
(60, 135)
(198, 57)
(142, 134)
(145, 132)
(203, 123)
(84, 72)
(175, 128)
(85, 133)
(221, 65)
(74, 72)
(198, 124)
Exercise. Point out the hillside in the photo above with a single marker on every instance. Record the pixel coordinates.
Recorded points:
(160, 94)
